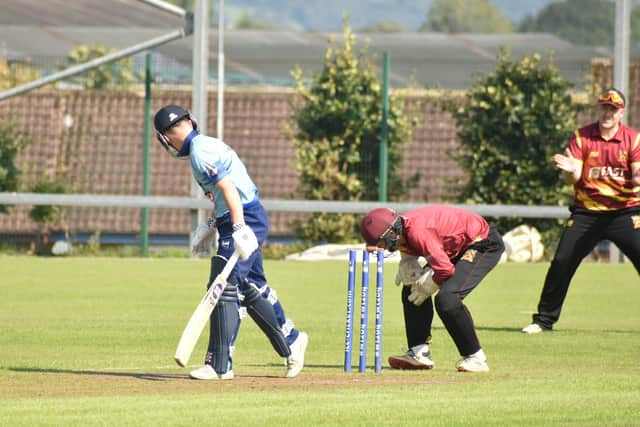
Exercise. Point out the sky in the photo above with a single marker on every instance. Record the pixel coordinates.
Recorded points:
(327, 14)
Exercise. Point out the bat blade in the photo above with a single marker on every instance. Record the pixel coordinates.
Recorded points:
(201, 315)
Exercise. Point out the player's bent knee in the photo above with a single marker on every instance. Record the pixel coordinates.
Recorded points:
(230, 294)
(446, 302)
(250, 294)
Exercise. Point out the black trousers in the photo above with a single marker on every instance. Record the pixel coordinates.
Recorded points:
(582, 233)
(471, 267)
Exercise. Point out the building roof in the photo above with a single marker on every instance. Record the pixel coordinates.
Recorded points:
(45, 32)
(85, 13)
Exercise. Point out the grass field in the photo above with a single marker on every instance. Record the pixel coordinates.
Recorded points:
(90, 341)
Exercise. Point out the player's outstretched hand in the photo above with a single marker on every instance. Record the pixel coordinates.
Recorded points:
(566, 162)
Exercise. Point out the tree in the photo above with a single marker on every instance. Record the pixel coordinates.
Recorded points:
(383, 27)
(337, 122)
(463, 16)
(14, 74)
(12, 141)
(45, 215)
(511, 124)
(247, 22)
(585, 22)
(115, 74)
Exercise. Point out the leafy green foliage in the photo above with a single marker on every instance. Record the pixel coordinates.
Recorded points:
(14, 74)
(44, 214)
(584, 22)
(587, 22)
(247, 22)
(273, 251)
(512, 124)
(338, 126)
(383, 27)
(117, 74)
(12, 141)
(463, 16)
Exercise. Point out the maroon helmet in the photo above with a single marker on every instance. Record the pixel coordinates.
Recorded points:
(382, 224)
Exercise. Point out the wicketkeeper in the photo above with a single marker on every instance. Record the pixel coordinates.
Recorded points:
(242, 224)
(460, 249)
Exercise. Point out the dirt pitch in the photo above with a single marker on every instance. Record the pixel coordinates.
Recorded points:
(51, 383)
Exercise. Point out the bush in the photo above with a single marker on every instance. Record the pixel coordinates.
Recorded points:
(46, 215)
(116, 74)
(338, 122)
(512, 123)
(12, 141)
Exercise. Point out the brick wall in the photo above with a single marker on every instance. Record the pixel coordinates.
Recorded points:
(101, 152)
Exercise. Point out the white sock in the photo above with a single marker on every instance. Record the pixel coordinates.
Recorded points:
(420, 349)
(479, 355)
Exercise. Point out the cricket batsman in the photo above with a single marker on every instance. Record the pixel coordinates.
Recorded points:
(242, 225)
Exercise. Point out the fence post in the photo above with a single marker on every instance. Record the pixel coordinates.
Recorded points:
(146, 161)
(384, 135)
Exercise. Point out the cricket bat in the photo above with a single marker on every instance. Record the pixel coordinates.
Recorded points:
(203, 311)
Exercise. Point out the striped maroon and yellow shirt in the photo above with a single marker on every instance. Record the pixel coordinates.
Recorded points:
(605, 184)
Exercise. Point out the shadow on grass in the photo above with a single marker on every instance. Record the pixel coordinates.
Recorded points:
(500, 329)
(306, 365)
(559, 331)
(138, 375)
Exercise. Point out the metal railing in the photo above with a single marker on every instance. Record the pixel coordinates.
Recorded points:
(278, 205)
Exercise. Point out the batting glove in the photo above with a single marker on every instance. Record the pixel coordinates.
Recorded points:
(203, 238)
(245, 240)
(423, 288)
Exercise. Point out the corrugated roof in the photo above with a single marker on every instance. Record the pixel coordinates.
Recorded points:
(46, 31)
(87, 13)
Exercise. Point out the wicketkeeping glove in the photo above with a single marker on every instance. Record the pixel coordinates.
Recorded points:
(409, 270)
(423, 288)
(203, 237)
(245, 240)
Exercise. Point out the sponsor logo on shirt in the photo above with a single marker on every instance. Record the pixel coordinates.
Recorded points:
(623, 156)
(601, 172)
(469, 255)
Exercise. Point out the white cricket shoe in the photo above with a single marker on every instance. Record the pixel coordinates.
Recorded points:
(295, 361)
(417, 357)
(533, 328)
(477, 362)
(207, 372)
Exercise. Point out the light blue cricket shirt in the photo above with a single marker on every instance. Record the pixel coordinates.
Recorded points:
(212, 160)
